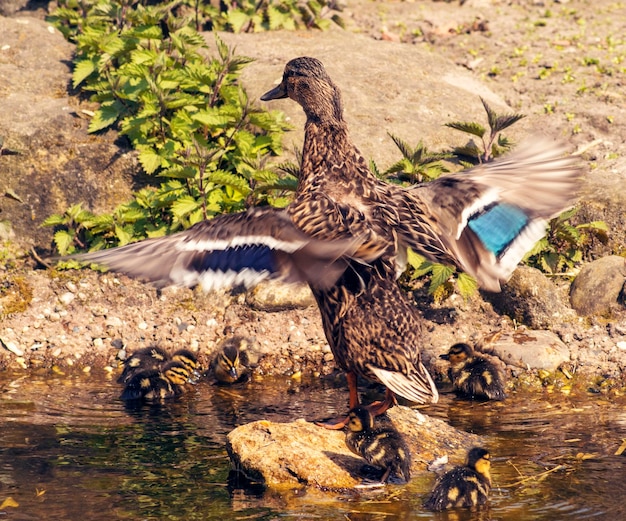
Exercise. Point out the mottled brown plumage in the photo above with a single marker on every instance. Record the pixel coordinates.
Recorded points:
(346, 235)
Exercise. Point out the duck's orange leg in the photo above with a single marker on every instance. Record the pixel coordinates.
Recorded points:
(341, 422)
(380, 407)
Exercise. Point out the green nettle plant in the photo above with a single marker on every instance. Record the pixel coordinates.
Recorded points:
(493, 144)
(187, 116)
(564, 245)
(266, 15)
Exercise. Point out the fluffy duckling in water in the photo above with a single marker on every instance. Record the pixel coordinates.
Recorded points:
(231, 362)
(154, 358)
(151, 357)
(157, 384)
(381, 446)
(474, 376)
(463, 486)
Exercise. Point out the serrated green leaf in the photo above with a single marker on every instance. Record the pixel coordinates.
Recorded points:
(467, 285)
(122, 235)
(54, 220)
(105, 116)
(150, 160)
(64, 241)
(82, 70)
(184, 206)
(227, 179)
(440, 275)
(469, 127)
(237, 19)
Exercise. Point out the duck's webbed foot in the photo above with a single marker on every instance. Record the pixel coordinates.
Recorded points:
(380, 407)
(335, 424)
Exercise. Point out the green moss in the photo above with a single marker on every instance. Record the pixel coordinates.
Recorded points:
(15, 295)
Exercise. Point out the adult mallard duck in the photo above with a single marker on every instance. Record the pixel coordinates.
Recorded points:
(381, 446)
(474, 376)
(230, 364)
(157, 384)
(463, 486)
(346, 235)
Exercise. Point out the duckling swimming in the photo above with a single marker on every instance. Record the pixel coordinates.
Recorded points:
(157, 384)
(154, 358)
(381, 446)
(231, 362)
(463, 486)
(474, 376)
(151, 357)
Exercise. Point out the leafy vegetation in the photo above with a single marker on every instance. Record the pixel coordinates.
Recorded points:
(564, 245)
(253, 16)
(559, 251)
(187, 116)
(74, 17)
(493, 144)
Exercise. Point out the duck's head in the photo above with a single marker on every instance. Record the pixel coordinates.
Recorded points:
(360, 419)
(176, 372)
(458, 353)
(479, 459)
(228, 364)
(306, 81)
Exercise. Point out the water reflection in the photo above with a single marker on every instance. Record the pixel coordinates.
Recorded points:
(69, 449)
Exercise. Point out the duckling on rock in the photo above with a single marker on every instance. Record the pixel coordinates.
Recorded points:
(231, 363)
(474, 376)
(157, 384)
(381, 446)
(154, 358)
(463, 486)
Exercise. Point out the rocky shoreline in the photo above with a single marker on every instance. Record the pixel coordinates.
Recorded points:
(86, 321)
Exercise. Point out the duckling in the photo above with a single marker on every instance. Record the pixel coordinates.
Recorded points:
(157, 384)
(188, 359)
(155, 358)
(474, 376)
(231, 362)
(151, 357)
(381, 446)
(463, 486)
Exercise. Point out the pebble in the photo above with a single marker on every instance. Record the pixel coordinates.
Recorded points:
(13, 347)
(621, 345)
(67, 298)
(71, 287)
(98, 342)
(142, 326)
(113, 322)
(54, 317)
(56, 352)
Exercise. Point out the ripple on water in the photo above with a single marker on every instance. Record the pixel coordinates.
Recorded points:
(70, 449)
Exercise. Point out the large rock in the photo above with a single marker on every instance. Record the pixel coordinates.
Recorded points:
(52, 162)
(301, 453)
(531, 349)
(531, 299)
(274, 295)
(599, 286)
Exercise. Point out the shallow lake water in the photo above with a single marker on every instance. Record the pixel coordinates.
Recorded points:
(71, 450)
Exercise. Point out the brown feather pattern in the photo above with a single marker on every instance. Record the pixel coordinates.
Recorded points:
(345, 232)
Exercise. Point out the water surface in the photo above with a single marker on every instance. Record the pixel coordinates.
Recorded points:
(70, 450)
